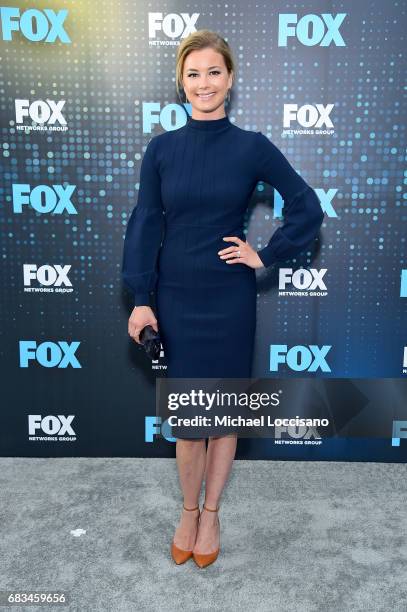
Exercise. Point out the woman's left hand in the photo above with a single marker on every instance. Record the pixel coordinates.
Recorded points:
(248, 255)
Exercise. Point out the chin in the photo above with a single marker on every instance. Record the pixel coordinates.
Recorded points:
(207, 109)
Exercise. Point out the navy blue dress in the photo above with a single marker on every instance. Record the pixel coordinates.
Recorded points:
(195, 187)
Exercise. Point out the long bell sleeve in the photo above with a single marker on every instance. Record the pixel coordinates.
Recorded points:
(144, 232)
(302, 211)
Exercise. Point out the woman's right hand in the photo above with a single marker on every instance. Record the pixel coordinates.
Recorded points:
(139, 318)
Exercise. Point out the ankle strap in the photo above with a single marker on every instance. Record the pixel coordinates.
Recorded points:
(190, 509)
(210, 509)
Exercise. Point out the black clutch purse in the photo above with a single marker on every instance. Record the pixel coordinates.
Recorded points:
(151, 341)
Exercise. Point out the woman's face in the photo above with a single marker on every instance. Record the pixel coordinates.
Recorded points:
(205, 72)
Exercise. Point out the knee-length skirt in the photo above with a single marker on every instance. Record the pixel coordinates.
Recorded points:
(206, 308)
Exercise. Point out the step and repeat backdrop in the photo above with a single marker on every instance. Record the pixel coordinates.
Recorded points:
(84, 87)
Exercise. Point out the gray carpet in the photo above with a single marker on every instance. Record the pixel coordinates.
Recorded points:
(295, 536)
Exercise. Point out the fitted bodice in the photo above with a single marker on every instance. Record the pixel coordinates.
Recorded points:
(195, 186)
(204, 173)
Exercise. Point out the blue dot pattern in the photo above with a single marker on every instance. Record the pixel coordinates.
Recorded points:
(106, 75)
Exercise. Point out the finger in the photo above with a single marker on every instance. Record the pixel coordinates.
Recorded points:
(135, 334)
(234, 249)
(234, 260)
(231, 252)
(232, 239)
(234, 255)
(132, 328)
(229, 249)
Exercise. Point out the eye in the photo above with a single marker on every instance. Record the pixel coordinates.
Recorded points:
(211, 72)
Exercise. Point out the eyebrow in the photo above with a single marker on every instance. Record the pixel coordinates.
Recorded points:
(210, 67)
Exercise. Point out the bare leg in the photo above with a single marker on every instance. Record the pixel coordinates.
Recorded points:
(219, 459)
(191, 457)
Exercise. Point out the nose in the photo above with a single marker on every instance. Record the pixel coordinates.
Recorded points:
(203, 82)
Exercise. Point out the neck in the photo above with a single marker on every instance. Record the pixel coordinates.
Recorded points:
(209, 124)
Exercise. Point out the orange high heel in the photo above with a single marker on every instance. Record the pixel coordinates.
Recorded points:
(179, 554)
(202, 560)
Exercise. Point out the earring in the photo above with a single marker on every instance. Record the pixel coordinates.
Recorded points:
(228, 97)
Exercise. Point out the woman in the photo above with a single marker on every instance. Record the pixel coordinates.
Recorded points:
(185, 242)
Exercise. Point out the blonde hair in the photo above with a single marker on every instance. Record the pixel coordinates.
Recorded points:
(202, 39)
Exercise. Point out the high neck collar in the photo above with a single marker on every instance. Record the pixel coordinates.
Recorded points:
(209, 124)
